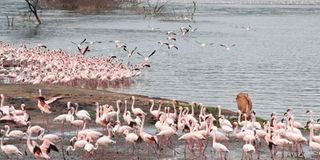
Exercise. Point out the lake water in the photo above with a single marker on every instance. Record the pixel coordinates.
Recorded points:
(277, 62)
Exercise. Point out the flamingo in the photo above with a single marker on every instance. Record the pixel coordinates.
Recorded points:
(82, 114)
(278, 141)
(34, 129)
(131, 138)
(77, 144)
(62, 118)
(10, 150)
(148, 138)
(13, 133)
(43, 105)
(155, 113)
(313, 145)
(248, 149)
(136, 111)
(218, 147)
(51, 137)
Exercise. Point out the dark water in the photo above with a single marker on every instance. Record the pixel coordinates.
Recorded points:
(277, 62)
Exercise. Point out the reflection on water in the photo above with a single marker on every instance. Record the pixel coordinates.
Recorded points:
(277, 62)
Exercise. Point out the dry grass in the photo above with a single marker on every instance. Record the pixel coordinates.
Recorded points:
(86, 5)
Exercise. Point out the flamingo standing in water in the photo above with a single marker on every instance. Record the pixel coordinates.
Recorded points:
(313, 145)
(148, 138)
(44, 107)
(131, 138)
(10, 150)
(136, 111)
(218, 147)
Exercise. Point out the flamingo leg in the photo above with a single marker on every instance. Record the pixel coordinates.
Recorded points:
(275, 152)
(282, 152)
(155, 152)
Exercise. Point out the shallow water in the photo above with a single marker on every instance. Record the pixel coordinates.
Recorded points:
(277, 63)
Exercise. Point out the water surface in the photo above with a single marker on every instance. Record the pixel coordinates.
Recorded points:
(277, 62)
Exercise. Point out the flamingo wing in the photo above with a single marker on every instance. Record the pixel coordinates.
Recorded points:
(52, 147)
(51, 100)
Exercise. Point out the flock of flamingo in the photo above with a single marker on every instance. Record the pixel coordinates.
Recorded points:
(182, 125)
(37, 65)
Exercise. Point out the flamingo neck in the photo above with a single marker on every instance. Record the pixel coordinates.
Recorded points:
(214, 137)
(151, 107)
(192, 110)
(239, 117)
(84, 125)
(97, 112)
(132, 106)
(76, 108)
(159, 108)
(2, 99)
(219, 111)
(174, 108)
(7, 131)
(125, 107)
(245, 121)
(142, 124)
(180, 114)
(311, 134)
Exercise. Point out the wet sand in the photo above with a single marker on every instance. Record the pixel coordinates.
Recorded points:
(18, 94)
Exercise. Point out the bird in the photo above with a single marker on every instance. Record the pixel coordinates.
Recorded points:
(92, 42)
(184, 30)
(79, 44)
(248, 149)
(130, 53)
(131, 138)
(171, 38)
(218, 147)
(203, 44)
(41, 151)
(83, 51)
(13, 133)
(170, 33)
(148, 138)
(227, 47)
(10, 150)
(136, 111)
(192, 29)
(41, 45)
(120, 44)
(82, 114)
(146, 58)
(43, 105)
(171, 46)
(76, 143)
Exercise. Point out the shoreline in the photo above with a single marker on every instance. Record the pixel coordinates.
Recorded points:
(88, 97)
